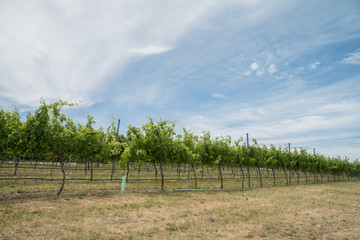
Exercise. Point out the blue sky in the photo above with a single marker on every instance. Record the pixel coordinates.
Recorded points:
(282, 71)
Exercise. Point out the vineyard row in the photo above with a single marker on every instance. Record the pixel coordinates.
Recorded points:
(54, 138)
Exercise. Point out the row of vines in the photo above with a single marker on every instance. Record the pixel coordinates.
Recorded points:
(51, 136)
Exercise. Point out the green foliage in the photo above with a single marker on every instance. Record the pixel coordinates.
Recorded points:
(48, 134)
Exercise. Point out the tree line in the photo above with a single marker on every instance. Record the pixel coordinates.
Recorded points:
(50, 135)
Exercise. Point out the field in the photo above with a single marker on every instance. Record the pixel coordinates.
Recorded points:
(98, 210)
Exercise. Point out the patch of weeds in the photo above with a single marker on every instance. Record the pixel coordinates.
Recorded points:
(112, 207)
(185, 226)
(53, 215)
(97, 210)
(171, 227)
(37, 212)
(184, 215)
(12, 214)
(132, 206)
(38, 224)
(271, 228)
(95, 234)
(49, 194)
(7, 211)
(151, 232)
(248, 215)
(149, 204)
(250, 235)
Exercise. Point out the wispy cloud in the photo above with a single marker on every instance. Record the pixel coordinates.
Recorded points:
(148, 50)
(308, 119)
(254, 66)
(60, 50)
(259, 73)
(314, 65)
(218, 95)
(272, 69)
(353, 58)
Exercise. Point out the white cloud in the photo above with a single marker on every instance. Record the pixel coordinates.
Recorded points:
(272, 69)
(254, 66)
(353, 58)
(218, 95)
(244, 113)
(60, 50)
(313, 118)
(148, 50)
(259, 73)
(146, 95)
(314, 65)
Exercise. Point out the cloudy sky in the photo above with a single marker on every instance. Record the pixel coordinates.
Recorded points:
(282, 71)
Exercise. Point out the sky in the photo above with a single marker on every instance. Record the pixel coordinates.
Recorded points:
(282, 71)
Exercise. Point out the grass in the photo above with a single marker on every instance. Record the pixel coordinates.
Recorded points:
(30, 209)
(98, 210)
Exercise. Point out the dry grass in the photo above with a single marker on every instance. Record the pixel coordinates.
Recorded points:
(99, 211)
